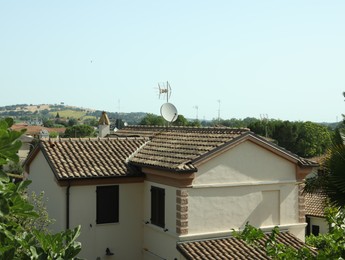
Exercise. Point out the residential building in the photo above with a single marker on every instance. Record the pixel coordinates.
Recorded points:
(150, 191)
(315, 204)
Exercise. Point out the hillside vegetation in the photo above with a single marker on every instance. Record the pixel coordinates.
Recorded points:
(28, 113)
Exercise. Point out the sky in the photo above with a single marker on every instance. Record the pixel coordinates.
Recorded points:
(234, 59)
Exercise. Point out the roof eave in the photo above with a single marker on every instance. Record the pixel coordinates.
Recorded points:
(175, 170)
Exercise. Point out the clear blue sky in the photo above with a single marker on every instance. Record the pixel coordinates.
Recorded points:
(283, 59)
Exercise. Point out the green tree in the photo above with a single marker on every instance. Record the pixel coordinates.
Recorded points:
(313, 139)
(180, 121)
(152, 119)
(48, 123)
(329, 246)
(80, 131)
(72, 122)
(18, 239)
(91, 122)
(331, 176)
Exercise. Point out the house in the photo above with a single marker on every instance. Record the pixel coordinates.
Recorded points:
(315, 204)
(149, 192)
(32, 132)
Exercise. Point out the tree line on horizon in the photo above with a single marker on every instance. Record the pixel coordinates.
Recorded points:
(306, 139)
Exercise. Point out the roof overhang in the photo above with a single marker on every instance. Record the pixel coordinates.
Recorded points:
(171, 178)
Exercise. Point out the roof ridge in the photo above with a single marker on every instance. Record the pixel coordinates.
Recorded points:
(85, 139)
(187, 127)
(135, 152)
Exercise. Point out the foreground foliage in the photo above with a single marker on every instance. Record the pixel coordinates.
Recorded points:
(16, 241)
(328, 246)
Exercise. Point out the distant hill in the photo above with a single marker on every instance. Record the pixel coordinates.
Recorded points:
(25, 112)
(34, 113)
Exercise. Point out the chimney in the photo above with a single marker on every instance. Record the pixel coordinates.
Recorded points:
(103, 125)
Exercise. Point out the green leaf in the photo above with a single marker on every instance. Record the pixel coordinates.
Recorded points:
(4, 207)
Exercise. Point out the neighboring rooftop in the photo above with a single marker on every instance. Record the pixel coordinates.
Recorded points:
(233, 248)
(315, 204)
(36, 129)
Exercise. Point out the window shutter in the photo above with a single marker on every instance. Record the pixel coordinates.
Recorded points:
(158, 206)
(107, 208)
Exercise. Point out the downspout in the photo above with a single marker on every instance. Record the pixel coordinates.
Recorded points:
(67, 205)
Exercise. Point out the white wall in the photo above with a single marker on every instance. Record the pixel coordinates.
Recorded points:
(246, 183)
(124, 239)
(43, 179)
(245, 163)
(232, 207)
(157, 242)
(321, 222)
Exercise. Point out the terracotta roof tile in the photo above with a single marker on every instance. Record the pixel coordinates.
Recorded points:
(178, 148)
(315, 204)
(232, 248)
(90, 158)
(175, 148)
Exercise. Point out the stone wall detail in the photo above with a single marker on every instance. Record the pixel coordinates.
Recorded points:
(182, 212)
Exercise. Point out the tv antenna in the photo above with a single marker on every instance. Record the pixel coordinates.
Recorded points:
(168, 110)
(164, 89)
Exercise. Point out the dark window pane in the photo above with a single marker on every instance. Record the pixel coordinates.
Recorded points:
(107, 204)
(315, 230)
(158, 206)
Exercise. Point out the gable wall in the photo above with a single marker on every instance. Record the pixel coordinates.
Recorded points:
(246, 183)
(43, 179)
(246, 162)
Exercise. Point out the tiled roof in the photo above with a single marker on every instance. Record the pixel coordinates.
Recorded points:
(90, 158)
(176, 148)
(232, 248)
(315, 204)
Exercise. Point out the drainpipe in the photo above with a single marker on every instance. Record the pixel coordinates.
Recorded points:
(67, 205)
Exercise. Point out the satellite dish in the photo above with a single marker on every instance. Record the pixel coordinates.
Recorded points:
(169, 112)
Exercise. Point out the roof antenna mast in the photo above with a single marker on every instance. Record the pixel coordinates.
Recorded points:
(168, 110)
(164, 89)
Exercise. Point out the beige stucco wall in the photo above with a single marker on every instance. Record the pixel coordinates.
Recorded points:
(159, 242)
(124, 239)
(43, 179)
(245, 163)
(246, 183)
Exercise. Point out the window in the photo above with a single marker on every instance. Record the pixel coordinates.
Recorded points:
(158, 206)
(107, 204)
(315, 230)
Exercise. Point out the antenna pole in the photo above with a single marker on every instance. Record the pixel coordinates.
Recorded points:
(167, 91)
(218, 111)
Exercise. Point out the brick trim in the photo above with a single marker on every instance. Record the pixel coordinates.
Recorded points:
(301, 204)
(182, 212)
